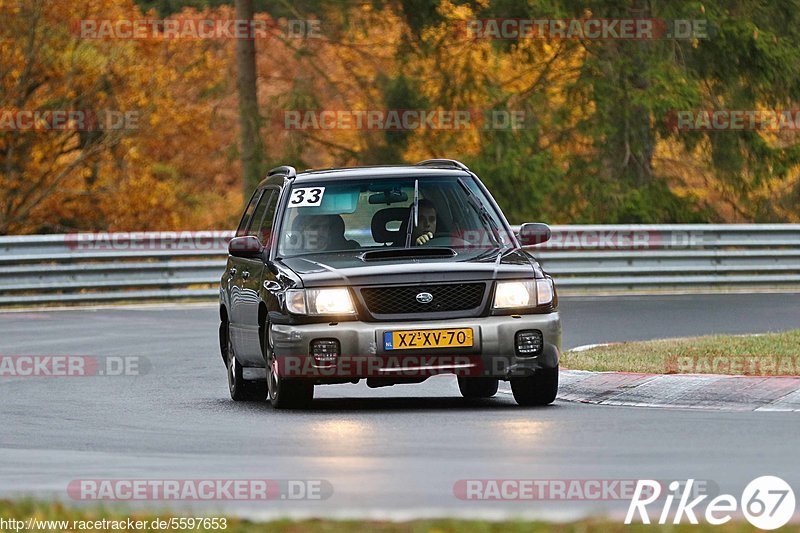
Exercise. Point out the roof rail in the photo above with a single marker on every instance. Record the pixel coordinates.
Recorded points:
(286, 170)
(443, 163)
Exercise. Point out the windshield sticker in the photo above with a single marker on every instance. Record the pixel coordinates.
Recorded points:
(306, 197)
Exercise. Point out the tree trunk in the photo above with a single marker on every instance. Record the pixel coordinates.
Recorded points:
(252, 150)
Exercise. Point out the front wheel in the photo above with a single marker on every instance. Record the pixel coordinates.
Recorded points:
(287, 393)
(539, 389)
(241, 390)
(284, 393)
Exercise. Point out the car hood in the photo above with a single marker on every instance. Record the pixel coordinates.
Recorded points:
(348, 268)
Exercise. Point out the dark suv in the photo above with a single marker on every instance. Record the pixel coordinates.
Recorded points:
(390, 274)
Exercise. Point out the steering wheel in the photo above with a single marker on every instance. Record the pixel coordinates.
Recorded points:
(448, 241)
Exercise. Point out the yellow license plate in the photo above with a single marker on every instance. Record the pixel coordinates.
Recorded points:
(427, 338)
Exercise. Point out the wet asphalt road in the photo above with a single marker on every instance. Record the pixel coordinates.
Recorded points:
(392, 452)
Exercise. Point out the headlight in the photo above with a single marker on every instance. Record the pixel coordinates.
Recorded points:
(514, 294)
(319, 302)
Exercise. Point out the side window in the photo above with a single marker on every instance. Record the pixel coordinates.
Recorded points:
(265, 228)
(248, 214)
(258, 214)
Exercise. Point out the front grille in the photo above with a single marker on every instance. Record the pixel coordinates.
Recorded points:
(403, 300)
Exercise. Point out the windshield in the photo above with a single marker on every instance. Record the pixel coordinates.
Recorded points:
(370, 214)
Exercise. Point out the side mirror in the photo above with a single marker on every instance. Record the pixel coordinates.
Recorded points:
(247, 246)
(534, 233)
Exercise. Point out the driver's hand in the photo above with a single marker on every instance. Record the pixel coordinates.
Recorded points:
(425, 237)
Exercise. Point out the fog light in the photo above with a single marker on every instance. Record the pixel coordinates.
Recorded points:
(325, 351)
(529, 342)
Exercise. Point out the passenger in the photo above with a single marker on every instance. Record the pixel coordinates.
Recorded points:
(337, 240)
(312, 233)
(319, 233)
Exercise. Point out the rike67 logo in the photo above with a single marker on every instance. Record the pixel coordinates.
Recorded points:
(767, 503)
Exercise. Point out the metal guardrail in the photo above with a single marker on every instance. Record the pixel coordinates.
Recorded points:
(107, 267)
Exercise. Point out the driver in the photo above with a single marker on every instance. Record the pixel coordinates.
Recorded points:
(426, 223)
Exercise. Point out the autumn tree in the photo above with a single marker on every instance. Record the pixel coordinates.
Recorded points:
(596, 142)
(168, 168)
(251, 144)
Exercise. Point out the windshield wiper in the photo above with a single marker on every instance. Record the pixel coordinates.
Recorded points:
(413, 215)
(483, 213)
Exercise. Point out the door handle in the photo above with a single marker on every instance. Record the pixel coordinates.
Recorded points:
(232, 272)
(245, 274)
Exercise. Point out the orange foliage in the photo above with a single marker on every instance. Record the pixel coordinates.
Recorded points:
(170, 167)
(178, 166)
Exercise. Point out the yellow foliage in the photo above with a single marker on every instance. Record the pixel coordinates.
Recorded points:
(177, 166)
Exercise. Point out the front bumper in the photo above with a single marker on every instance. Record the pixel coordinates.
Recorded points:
(363, 355)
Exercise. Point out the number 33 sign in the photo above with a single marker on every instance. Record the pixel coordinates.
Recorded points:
(305, 197)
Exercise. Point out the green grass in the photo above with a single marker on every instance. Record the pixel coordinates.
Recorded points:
(763, 355)
(55, 511)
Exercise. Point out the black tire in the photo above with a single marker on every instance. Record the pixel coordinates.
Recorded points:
(284, 393)
(539, 389)
(478, 387)
(241, 390)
